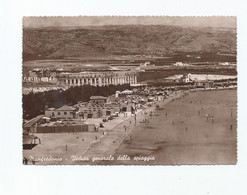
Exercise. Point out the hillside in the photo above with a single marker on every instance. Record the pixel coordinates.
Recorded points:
(107, 41)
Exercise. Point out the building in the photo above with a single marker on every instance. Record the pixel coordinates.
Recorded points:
(224, 63)
(126, 92)
(50, 112)
(39, 76)
(209, 84)
(31, 77)
(62, 112)
(31, 125)
(97, 111)
(98, 100)
(29, 141)
(204, 84)
(97, 78)
(186, 78)
(180, 64)
(81, 78)
(97, 107)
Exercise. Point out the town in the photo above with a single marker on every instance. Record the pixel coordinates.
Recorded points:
(153, 93)
(100, 115)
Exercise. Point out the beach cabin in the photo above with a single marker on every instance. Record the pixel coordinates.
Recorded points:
(29, 141)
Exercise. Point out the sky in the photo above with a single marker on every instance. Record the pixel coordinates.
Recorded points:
(80, 21)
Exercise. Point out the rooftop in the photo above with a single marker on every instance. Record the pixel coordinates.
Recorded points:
(50, 109)
(97, 98)
(66, 108)
(33, 121)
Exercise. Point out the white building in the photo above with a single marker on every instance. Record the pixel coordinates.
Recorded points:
(97, 78)
(180, 64)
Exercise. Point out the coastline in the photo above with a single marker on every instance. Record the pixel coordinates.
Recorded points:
(126, 141)
(109, 139)
(109, 144)
(186, 136)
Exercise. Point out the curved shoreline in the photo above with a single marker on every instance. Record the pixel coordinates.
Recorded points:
(112, 149)
(120, 135)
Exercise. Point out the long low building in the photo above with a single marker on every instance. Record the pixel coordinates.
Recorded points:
(97, 78)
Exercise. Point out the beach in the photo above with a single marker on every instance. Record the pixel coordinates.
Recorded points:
(200, 128)
(72, 148)
(196, 127)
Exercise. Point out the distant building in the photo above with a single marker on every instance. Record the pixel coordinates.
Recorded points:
(199, 84)
(204, 84)
(144, 64)
(40, 76)
(117, 93)
(224, 63)
(180, 64)
(209, 84)
(186, 78)
(126, 92)
(97, 78)
(31, 77)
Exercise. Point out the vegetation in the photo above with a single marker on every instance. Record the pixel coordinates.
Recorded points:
(35, 103)
(59, 43)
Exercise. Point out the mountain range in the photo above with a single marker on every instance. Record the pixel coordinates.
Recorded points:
(119, 40)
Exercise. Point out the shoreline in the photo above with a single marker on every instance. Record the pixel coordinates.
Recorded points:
(108, 143)
(126, 139)
(186, 136)
(121, 135)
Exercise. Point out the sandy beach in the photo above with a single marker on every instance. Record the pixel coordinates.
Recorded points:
(200, 128)
(189, 128)
(122, 131)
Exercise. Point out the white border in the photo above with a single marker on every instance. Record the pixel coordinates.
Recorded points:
(18, 179)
